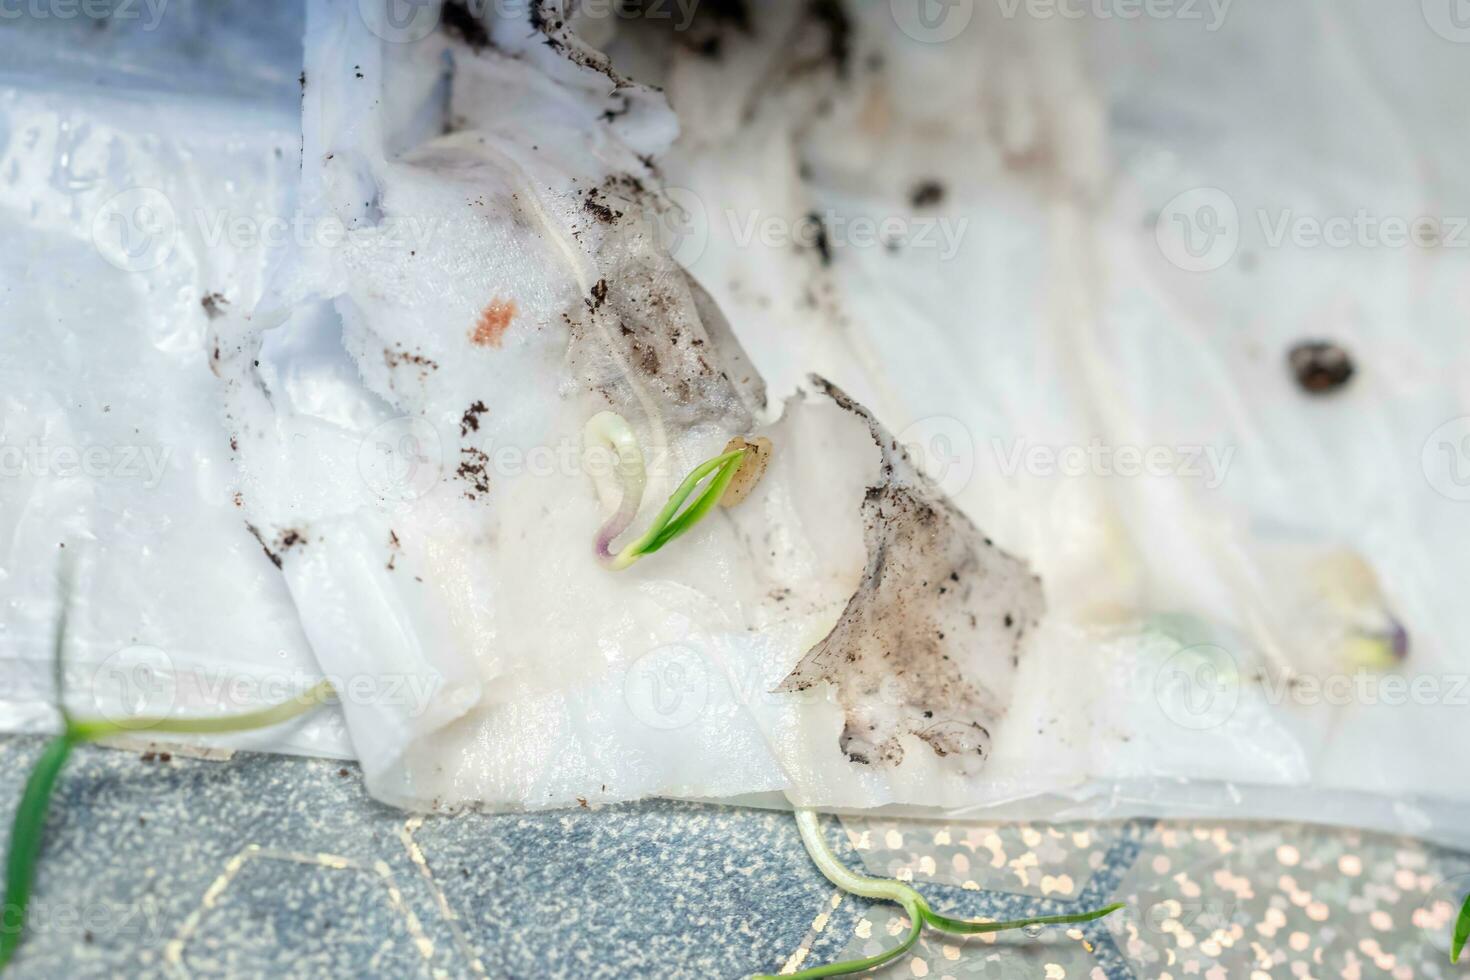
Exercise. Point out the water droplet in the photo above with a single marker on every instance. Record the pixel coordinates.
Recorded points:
(1032, 931)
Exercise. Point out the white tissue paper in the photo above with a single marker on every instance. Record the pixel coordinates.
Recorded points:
(295, 362)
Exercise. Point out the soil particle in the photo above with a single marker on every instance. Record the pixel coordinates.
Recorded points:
(470, 421)
(394, 358)
(214, 305)
(926, 194)
(600, 210)
(474, 471)
(460, 21)
(833, 15)
(393, 548)
(820, 241)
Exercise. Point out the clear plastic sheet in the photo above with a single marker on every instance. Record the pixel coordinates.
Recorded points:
(1136, 223)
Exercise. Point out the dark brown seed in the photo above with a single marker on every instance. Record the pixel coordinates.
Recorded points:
(1320, 366)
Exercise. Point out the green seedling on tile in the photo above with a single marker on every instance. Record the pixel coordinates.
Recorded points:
(915, 907)
(27, 830)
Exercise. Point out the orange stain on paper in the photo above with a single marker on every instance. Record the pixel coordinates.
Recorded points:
(493, 323)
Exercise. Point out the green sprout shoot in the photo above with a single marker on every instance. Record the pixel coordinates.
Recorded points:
(1462, 931)
(915, 907)
(30, 816)
(608, 430)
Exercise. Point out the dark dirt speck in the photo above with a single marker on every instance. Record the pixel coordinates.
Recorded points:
(926, 194)
(470, 421)
(460, 21)
(214, 305)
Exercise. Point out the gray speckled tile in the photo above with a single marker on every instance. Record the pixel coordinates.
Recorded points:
(284, 867)
(270, 866)
(652, 890)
